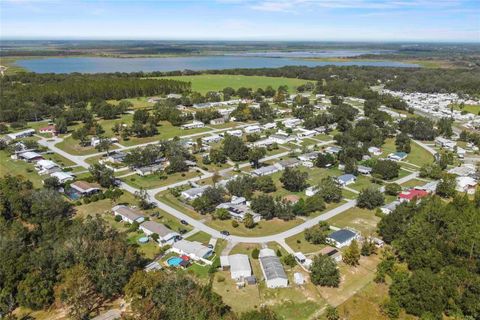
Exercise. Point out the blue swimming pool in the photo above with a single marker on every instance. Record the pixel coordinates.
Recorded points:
(174, 261)
(143, 240)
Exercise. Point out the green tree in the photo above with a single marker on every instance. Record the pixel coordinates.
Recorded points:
(393, 189)
(370, 198)
(386, 169)
(351, 255)
(35, 291)
(324, 272)
(332, 313)
(318, 233)
(329, 190)
(446, 186)
(294, 180)
(103, 175)
(255, 154)
(222, 214)
(248, 221)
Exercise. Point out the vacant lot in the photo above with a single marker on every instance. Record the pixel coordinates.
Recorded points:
(18, 167)
(362, 220)
(298, 243)
(209, 82)
(155, 180)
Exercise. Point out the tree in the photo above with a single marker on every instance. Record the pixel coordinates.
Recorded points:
(51, 182)
(446, 186)
(402, 142)
(248, 221)
(61, 125)
(324, 271)
(143, 199)
(370, 198)
(289, 260)
(318, 233)
(431, 170)
(222, 214)
(263, 314)
(210, 198)
(330, 190)
(77, 292)
(104, 145)
(324, 160)
(103, 175)
(217, 156)
(314, 203)
(294, 180)
(393, 189)
(35, 291)
(386, 169)
(255, 154)
(444, 126)
(368, 247)
(265, 184)
(351, 255)
(235, 148)
(332, 313)
(264, 205)
(255, 253)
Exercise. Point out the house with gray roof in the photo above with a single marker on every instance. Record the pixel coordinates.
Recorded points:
(272, 269)
(342, 238)
(388, 208)
(287, 163)
(263, 171)
(194, 249)
(165, 235)
(193, 193)
(346, 179)
(128, 214)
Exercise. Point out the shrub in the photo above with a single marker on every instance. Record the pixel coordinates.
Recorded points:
(118, 218)
(255, 253)
(234, 223)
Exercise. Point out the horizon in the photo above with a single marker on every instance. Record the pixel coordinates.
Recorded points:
(375, 21)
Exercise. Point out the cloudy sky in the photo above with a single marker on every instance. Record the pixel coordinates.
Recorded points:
(358, 20)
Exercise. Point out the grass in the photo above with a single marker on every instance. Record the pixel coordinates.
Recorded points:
(19, 167)
(154, 181)
(262, 228)
(362, 220)
(472, 108)
(208, 82)
(412, 183)
(417, 156)
(169, 199)
(60, 160)
(201, 237)
(298, 243)
(362, 183)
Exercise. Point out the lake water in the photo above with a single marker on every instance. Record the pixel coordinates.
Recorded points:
(101, 65)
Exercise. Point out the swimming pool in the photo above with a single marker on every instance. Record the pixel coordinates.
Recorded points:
(143, 240)
(174, 261)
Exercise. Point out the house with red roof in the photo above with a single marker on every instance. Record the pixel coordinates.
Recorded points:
(48, 129)
(411, 194)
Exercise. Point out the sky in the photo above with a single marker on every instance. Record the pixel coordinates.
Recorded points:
(316, 20)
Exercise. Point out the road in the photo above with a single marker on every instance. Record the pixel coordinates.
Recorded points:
(279, 237)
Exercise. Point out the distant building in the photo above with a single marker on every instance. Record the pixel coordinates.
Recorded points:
(148, 170)
(193, 193)
(252, 129)
(46, 167)
(51, 129)
(364, 169)
(375, 151)
(20, 134)
(62, 177)
(84, 188)
(397, 156)
(217, 121)
(333, 253)
(390, 207)
(333, 150)
(466, 184)
(280, 138)
(411, 194)
(287, 163)
(193, 125)
(193, 249)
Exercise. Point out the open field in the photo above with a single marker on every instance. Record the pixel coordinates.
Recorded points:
(209, 82)
(298, 243)
(154, 181)
(472, 108)
(262, 228)
(417, 156)
(18, 167)
(362, 220)
(200, 237)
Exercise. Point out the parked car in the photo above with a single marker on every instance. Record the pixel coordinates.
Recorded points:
(225, 233)
(185, 223)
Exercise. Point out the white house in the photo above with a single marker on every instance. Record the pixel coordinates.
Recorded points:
(302, 133)
(62, 177)
(128, 214)
(235, 133)
(466, 184)
(280, 138)
(333, 253)
(193, 193)
(211, 139)
(364, 170)
(311, 191)
(21, 134)
(346, 179)
(304, 261)
(263, 171)
(85, 188)
(238, 264)
(333, 150)
(308, 156)
(46, 167)
(193, 125)
(165, 235)
(193, 249)
(292, 123)
(272, 269)
(388, 208)
(252, 129)
(342, 238)
(397, 156)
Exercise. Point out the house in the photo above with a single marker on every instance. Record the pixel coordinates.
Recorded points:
(464, 170)
(364, 169)
(263, 171)
(397, 156)
(461, 152)
(46, 167)
(263, 143)
(287, 163)
(148, 170)
(333, 150)
(306, 133)
(238, 209)
(48, 129)
(193, 249)
(280, 138)
(333, 253)
(202, 105)
(311, 191)
(192, 125)
(445, 143)
(62, 177)
(95, 141)
(30, 156)
(308, 156)
(193, 193)
(375, 151)
(342, 238)
(211, 139)
(152, 266)
(272, 269)
(252, 129)
(235, 133)
(238, 264)
(270, 125)
(298, 278)
(217, 121)
(165, 235)
(128, 214)
(430, 187)
(116, 157)
(304, 261)
(346, 179)
(411, 194)
(292, 123)
(84, 188)
(466, 184)
(389, 208)
(174, 96)
(20, 135)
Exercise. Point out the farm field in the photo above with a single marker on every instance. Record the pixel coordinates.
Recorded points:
(209, 82)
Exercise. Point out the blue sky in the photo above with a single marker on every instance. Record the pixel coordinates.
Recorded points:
(343, 20)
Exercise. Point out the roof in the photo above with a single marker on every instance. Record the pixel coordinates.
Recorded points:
(288, 162)
(342, 235)
(392, 205)
(346, 177)
(264, 170)
(412, 193)
(192, 247)
(47, 164)
(364, 168)
(83, 186)
(329, 251)
(150, 168)
(291, 198)
(239, 262)
(60, 175)
(30, 155)
(130, 213)
(272, 268)
(157, 228)
(195, 191)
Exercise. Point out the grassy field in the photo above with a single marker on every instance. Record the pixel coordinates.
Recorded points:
(472, 108)
(417, 156)
(200, 237)
(208, 82)
(154, 181)
(298, 243)
(18, 167)
(262, 228)
(362, 220)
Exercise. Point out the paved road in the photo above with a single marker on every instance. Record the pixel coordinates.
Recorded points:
(80, 160)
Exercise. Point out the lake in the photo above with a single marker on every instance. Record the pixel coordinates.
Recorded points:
(106, 65)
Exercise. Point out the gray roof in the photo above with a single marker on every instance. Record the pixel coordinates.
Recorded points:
(193, 192)
(342, 235)
(193, 247)
(132, 214)
(157, 228)
(392, 205)
(288, 162)
(346, 177)
(239, 262)
(265, 170)
(272, 268)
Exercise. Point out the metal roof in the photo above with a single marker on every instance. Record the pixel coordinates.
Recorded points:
(157, 228)
(342, 235)
(272, 268)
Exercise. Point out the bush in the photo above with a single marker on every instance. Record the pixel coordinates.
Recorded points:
(234, 223)
(392, 189)
(255, 253)
(86, 200)
(220, 279)
(118, 218)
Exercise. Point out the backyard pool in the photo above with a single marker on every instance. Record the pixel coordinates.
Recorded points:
(174, 261)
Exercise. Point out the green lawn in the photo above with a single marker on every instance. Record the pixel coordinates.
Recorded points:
(472, 108)
(200, 237)
(18, 167)
(208, 82)
(298, 243)
(361, 220)
(154, 181)
(263, 228)
(417, 156)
